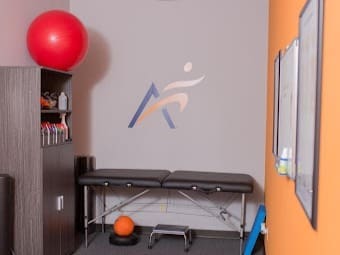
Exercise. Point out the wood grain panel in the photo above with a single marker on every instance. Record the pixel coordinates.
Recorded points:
(25, 157)
(66, 172)
(50, 192)
(4, 111)
(21, 156)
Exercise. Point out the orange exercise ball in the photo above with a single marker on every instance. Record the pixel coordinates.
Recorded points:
(123, 226)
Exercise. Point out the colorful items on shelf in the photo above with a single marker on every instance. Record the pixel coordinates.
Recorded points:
(64, 125)
(48, 100)
(53, 101)
(53, 133)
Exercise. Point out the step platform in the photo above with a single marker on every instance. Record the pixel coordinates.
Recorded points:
(162, 229)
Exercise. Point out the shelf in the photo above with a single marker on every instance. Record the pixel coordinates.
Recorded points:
(55, 111)
(44, 68)
(48, 168)
(69, 141)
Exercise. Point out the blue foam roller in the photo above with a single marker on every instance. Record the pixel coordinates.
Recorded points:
(255, 231)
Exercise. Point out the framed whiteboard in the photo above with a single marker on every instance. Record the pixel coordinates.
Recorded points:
(276, 103)
(308, 107)
(288, 107)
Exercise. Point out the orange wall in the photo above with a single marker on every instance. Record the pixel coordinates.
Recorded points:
(290, 232)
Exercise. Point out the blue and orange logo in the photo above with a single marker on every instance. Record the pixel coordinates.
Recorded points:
(180, 98)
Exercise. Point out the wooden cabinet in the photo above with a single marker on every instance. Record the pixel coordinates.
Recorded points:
(43, 175)
(58, 200)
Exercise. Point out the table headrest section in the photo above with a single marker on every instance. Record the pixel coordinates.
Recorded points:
(146, 178)
(209, 181)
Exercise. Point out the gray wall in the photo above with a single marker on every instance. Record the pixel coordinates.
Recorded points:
(134, 43)
(15, 18)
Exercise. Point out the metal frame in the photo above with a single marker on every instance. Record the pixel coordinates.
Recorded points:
(224, 211)
(161, 229)
(309, 97)
(87, 222)
(276, 108)
(219, 216)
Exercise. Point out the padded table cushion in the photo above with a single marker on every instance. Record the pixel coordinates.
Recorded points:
(209, 181)
(124, 177)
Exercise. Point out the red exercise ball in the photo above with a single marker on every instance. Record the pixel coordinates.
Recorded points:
(123, 226)
(57, 39)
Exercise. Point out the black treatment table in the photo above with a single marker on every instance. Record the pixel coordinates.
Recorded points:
(180, 180)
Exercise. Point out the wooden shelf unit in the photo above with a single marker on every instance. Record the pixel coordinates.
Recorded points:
(42, 175)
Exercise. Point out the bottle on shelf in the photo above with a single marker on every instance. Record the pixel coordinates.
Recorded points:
(63, 123)
(283, 162)
(62, 102)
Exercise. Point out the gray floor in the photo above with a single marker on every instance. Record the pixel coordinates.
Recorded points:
(166, 245)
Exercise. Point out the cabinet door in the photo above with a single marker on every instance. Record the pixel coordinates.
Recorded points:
(51, 222)
(67, 219)
(58, 199)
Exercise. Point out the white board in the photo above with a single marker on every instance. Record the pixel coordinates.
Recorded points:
(288, 105)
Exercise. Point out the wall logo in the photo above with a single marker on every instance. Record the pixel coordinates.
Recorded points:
(180, 98)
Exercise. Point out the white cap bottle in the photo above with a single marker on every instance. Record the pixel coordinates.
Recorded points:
(62, 102)
(283, 163)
